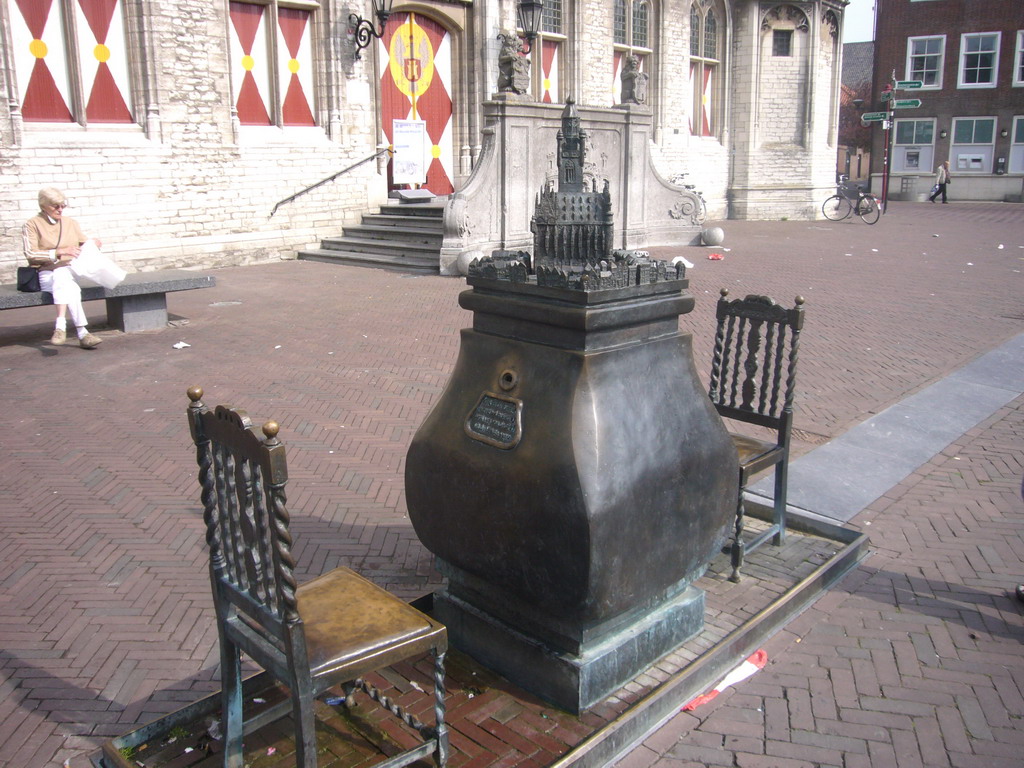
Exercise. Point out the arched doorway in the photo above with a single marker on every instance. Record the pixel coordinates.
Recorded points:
(415, 58)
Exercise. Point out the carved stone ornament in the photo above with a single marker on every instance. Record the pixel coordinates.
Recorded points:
(831, 23)
(634, 82)
(783, 15)
(513, 66)
(686, 208)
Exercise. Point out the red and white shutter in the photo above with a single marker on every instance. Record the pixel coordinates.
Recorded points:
(37, 34)
(295, 65)
(250, 61)
(103, 61)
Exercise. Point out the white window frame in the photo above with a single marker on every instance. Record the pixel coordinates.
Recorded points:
(960, 154)
(1018, 61)
(925, 152)
(942, 60)
(963, 56)
(1016, 164)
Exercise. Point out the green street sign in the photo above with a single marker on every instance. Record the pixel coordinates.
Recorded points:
(871, 117)
(906, 104)
(907, 85)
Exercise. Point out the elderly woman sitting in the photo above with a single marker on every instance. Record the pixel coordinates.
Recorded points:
(51, 242)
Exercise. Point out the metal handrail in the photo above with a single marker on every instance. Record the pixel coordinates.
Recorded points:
(320, 183)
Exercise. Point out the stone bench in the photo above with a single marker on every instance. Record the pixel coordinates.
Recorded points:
(137, 304)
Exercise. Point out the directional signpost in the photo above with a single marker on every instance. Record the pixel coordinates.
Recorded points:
(890, 104)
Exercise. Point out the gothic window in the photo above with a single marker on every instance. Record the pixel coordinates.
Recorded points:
(641, 25)
(548, 52)
(620, 22)
(782, 42)
(632, 35)
(272, 62)
(72, 61)
(705, 22)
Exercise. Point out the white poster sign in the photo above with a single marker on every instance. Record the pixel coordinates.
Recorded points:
(409, 165)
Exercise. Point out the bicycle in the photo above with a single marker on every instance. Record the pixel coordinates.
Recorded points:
(850, 198)
(679, 179)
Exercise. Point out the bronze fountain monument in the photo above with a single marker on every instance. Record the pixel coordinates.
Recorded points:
(573, 480)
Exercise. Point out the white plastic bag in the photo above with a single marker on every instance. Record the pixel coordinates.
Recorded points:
(93, 265)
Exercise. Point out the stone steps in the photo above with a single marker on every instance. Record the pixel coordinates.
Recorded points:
(398, 237)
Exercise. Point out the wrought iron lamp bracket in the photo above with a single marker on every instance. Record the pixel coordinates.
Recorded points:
(363, 30)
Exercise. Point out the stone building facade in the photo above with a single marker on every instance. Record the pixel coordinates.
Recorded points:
(176, 126)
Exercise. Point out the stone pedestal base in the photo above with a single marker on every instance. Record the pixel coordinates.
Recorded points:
(573, 682)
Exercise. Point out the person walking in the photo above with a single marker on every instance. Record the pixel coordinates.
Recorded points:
(941, 181)
(51, 242)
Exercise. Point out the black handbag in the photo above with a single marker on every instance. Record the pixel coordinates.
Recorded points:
(28, 279)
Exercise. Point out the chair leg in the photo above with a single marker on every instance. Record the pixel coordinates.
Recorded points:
(231, 703)
(441, 754)
(305, 725)
(737, 539)
(781, 472)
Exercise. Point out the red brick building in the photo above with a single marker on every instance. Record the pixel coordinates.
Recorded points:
(969, 57)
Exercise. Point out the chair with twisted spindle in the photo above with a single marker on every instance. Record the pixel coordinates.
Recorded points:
(334, 629)
(753, 378)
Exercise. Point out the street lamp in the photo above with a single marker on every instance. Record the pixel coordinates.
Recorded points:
(529, 13)
(363, 29)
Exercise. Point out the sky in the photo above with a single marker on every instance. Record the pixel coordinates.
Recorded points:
(859, 21)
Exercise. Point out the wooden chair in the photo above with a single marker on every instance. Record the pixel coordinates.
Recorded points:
(753, 373)
(333, 629)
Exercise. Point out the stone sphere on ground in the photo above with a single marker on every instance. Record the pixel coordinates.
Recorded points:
(464, 260)
(713, 236)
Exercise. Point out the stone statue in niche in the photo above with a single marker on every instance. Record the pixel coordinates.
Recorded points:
(513, 66)
(634, 82)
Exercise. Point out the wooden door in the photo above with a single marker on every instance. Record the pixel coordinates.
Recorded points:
(415, 57)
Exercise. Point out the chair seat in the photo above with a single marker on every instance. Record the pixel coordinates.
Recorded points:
(354, 627)
(754, 454)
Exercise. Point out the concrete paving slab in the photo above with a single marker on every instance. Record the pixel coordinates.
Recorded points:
(845, 475)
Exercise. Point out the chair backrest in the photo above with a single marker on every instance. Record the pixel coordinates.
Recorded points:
(242, 475)
(753, 371)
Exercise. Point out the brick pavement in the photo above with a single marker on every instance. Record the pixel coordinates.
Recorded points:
(105, 616)
(915, 659)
